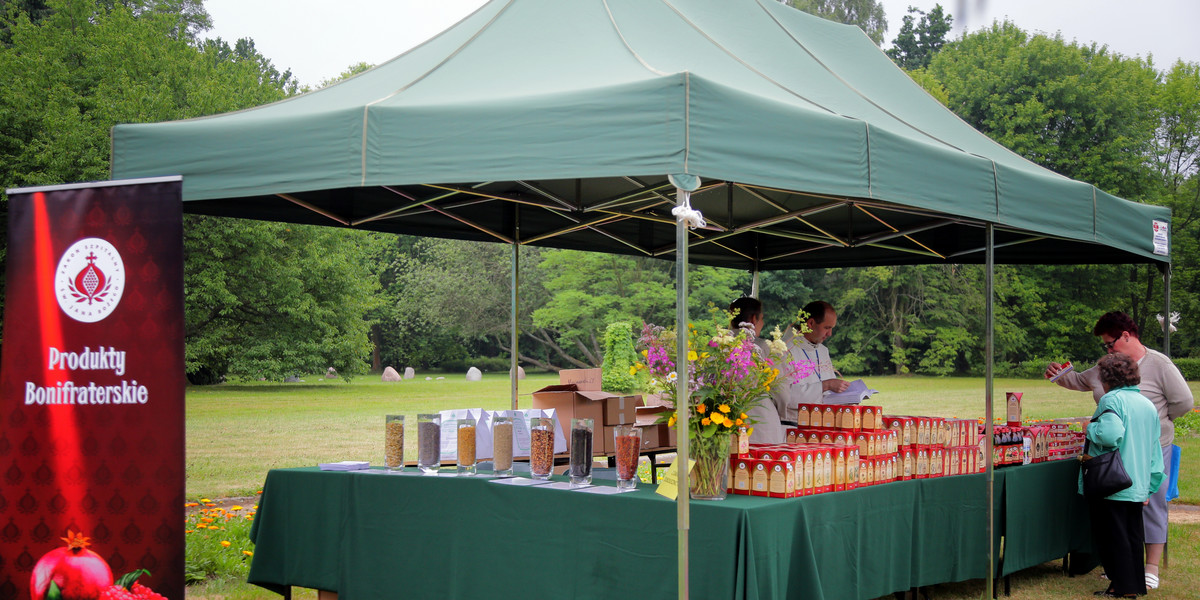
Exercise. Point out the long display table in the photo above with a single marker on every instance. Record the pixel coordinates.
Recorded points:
(370, 535)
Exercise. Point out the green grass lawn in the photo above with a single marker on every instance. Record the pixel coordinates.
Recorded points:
(236, 433)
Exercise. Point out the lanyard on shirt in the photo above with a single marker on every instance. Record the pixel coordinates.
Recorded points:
(816, 362)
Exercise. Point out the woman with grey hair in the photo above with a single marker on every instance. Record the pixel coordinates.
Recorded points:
(1125, 421)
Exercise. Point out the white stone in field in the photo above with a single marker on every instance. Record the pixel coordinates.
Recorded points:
(390, 374)
(520, 372)
(440, 378)
(331, 373)
(409, 373)
(473, 374)
(428, 379)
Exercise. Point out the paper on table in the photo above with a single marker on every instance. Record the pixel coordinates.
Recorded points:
(566, 485)
(604, 489)
(856, 393)
(345, 465)
(520, 481)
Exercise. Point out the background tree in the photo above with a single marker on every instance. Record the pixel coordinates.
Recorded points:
(265, 300)
(917, 42)
(867, 14)
(68, 74)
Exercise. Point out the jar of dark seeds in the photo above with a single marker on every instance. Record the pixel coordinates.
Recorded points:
(581, 451)
(429, 442)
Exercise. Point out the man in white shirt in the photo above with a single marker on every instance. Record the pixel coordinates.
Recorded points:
(810, 347)
(1164, 385)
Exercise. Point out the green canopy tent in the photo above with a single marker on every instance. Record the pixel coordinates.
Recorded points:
(583, 124)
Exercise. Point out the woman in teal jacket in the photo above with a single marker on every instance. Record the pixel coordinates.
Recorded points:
(1127, 422)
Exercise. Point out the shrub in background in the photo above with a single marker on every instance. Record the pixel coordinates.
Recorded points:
(619, 357)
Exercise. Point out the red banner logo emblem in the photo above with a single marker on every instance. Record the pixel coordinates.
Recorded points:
(89, 280)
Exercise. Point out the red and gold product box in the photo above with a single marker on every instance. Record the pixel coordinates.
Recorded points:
(782, 479)
(850, 417)
(866, 471)
(760, 481)
(891, 441)
(905, 428)
(817, 415)
(790, 435)
(922, 471)
(741, 468)
(908, 462)
(839, 468)
(807, 471)
(872, 417)
(852, 462)
(937, 461)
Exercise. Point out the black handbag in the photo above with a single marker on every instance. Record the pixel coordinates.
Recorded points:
(1104, 475)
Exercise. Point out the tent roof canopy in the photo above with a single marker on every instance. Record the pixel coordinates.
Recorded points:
(557, 123)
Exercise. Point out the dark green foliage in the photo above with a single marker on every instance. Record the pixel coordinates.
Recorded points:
(1190, 367)
(916, 44)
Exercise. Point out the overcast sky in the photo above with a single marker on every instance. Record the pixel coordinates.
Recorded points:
(317, 40)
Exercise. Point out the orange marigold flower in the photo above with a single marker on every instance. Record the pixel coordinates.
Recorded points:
(724, 408)
(701, 408)
(226, 543)
(706, 421)
(247, 553)
(207, 520)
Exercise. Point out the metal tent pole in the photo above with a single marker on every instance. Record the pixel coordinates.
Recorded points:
(682, 498)
(516, 284)
(754, 283)
(1166, 271)
(989, 317)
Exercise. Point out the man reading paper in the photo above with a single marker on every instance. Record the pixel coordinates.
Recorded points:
(810, 347)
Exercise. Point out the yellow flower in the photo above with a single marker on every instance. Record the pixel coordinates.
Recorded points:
(226, 543)
(205, 500)
(744, 416)
(739, 422)
(750, 431)
(724, 408)
(671, 421)
(692, 355)
(633, 370)
(706, 421)
(728, 424)
(247, 553)
(703, 355)
(717, 418)
(235, 507)
(701, 408)
(201, 526)
(646, 353)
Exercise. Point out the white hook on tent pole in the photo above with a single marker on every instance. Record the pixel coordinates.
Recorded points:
(684, 213)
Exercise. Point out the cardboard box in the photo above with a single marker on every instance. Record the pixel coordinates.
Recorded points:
(585, 380)
(654, 434)
(571, 403)
(621, 410)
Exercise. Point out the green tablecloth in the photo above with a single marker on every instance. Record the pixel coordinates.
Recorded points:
(406, 536)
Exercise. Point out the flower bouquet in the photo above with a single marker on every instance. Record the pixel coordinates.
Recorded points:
(728, 372)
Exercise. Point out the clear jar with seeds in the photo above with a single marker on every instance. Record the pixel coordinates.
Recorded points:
(393, 442)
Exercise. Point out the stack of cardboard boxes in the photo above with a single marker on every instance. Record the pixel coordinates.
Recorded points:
(578, 396)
